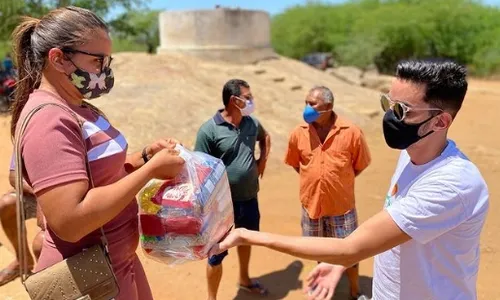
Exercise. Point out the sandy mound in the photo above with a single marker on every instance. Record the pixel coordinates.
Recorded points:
(172, 95)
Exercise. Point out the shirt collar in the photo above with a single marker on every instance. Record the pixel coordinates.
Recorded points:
(218, 119)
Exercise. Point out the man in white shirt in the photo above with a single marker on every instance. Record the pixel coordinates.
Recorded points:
(426, 240)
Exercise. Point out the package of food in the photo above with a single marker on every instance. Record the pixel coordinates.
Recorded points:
(182, 219)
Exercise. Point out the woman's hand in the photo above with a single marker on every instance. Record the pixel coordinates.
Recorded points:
(166, 164)
(157, 146)
(136, 160)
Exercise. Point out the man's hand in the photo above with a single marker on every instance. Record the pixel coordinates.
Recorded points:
(322, 281)
(261, 166)
(232, 239)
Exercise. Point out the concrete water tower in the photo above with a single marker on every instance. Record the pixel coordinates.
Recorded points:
(233, 35)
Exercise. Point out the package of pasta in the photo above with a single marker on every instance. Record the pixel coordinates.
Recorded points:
(181, 219)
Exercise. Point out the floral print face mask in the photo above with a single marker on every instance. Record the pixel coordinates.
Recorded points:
(92, 85)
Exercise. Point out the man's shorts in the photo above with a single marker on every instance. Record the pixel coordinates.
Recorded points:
(330, 226)
(246, 215)
(29, 205)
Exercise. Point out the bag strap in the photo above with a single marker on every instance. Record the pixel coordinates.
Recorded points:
(21, 226)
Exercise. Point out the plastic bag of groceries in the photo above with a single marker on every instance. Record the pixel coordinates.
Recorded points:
(182, 219)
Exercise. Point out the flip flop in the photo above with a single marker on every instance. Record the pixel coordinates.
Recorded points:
(255, 288)
(9, 276)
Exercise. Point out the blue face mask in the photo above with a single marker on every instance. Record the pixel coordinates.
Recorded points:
(310, 114)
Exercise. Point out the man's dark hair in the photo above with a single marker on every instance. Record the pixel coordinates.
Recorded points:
(233, 88)
(445, 81)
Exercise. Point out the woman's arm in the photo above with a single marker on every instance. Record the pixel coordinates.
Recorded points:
(72, 212)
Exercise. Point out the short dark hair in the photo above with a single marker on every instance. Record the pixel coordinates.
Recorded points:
(445, 81)
(233, 88)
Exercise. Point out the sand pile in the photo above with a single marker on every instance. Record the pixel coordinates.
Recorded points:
(172, 95)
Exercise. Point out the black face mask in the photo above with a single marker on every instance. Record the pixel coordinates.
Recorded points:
(398, 134)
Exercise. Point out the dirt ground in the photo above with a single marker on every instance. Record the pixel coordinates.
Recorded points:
(475, 131)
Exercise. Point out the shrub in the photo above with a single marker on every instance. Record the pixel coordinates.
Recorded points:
(361, 33)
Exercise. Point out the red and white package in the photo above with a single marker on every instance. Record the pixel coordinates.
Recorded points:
(182, 219)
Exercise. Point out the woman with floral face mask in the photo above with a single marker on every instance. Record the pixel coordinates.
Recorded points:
(63, 58)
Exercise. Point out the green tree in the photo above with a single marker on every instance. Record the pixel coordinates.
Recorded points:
(139, 26)
(9, 13)
(11, 10)
(362, 32)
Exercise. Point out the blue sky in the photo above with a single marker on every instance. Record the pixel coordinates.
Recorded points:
(272, 6)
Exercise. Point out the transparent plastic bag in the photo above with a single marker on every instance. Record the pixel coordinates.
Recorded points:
(182, 219)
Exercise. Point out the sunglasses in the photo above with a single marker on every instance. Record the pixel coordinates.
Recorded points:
(103, 59)
(400, 109)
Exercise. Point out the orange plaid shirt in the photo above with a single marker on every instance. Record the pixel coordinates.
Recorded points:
(327, 170)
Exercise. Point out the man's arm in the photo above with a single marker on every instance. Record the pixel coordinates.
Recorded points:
(374, 236)
(292, 157)
(361, 157)
(264, 140)
(265, 146)
(431, 208)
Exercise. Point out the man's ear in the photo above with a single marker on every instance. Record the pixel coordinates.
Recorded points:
(443, 121)
(234, 99)
(58, 60)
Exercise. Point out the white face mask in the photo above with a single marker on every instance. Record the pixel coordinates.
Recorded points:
(249, 107)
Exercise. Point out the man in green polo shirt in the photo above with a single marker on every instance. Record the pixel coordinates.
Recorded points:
(231, 135)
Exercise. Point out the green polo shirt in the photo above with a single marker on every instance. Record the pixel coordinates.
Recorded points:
(235, 146)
